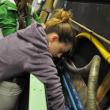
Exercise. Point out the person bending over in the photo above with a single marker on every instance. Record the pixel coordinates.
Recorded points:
(32, 49)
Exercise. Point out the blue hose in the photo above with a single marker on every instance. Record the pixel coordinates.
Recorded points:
(73, 105)
(76, 97)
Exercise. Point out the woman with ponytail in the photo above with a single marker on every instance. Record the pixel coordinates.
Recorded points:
(31, 50)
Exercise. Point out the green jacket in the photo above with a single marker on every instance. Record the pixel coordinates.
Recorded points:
(9, 17)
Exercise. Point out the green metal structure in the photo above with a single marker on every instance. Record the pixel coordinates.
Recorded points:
(37, 98)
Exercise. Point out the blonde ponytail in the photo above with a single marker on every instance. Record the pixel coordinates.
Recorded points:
(59, 16)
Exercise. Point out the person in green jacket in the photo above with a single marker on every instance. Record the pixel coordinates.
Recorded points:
(16, 15)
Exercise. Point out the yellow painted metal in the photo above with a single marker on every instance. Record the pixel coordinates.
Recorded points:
(81, 27)
(97, 43)
(46, 9)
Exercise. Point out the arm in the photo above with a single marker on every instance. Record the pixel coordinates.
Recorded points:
(8, 17)
(45, 70)
(39, 62)
(47, 73)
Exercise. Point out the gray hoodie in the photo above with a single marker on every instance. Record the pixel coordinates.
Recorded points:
(27, 51)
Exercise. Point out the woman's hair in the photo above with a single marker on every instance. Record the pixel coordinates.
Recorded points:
(60, 24)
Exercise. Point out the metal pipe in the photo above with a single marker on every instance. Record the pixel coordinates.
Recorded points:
(92, 83)
(84, 28)
(46, 9)
(93, 66)
(75, 69)
(97, 44)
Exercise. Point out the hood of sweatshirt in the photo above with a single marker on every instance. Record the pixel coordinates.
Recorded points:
(34, 34)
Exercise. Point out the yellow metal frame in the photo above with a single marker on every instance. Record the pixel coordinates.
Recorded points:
(97, 44)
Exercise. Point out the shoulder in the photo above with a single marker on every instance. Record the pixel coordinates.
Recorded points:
(8, 4)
